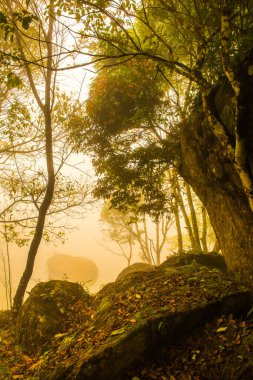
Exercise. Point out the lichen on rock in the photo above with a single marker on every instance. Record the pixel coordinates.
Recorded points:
(48, 311)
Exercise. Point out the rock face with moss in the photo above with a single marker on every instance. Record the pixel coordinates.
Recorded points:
(48, 311)
(210, 260)
(137, 315)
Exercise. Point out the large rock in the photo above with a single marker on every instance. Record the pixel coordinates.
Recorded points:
(138, 314)
(136, 267)
(72, 268)
(48, 311)
(210, 260)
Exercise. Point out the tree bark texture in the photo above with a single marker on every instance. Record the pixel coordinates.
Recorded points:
(213, 176)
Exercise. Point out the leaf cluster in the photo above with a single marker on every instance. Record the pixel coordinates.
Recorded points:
(124, 128)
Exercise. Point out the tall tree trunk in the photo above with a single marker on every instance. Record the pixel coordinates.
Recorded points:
(206, 167)
(157, 244)
(147, 243)
(184, 213)
(180, 247)
(162, 228)
(145, 251)
(19, 295)
(195, 228)
(173, 181)
(204, 230)
(46, 108)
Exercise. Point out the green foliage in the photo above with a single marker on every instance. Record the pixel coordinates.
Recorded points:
(128, 179)
(124, 96)
(24, 178)
(3, 18)
(168, 46)
(13, 80)
(121, 129)
(25, 18)
(22, 18)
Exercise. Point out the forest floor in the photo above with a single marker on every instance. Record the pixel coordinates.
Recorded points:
(219, 350)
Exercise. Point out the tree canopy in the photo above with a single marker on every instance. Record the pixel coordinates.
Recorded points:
(198, 55)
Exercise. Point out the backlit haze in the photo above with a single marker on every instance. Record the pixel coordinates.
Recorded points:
(87, 240)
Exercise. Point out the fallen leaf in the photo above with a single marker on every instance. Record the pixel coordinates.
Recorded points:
(26, 358)
(237, 340)
(221, 329)
(219, 360)
(118, 332)
(57, 336)
(35, 365)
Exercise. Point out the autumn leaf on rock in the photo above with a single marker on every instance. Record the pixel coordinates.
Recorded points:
(118, 332)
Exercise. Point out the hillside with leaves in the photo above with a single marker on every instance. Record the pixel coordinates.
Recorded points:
(195, 300)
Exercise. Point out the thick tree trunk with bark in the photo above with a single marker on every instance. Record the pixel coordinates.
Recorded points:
(207, 168)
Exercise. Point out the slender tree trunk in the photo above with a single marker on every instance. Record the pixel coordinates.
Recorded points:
(147, 243)
(143, 244)
(19, 296)
(204, 230)
(158, 248)
(184, 213)
(178, 226)
(172, 179)
(162, 230)
(129, 257)
(7, 270)
(197, 244)
(5, 281)
(46, 109)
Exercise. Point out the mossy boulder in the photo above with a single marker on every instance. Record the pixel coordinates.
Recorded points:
(49, 310)
(210, 260)
(139, 314)
(136, 267)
